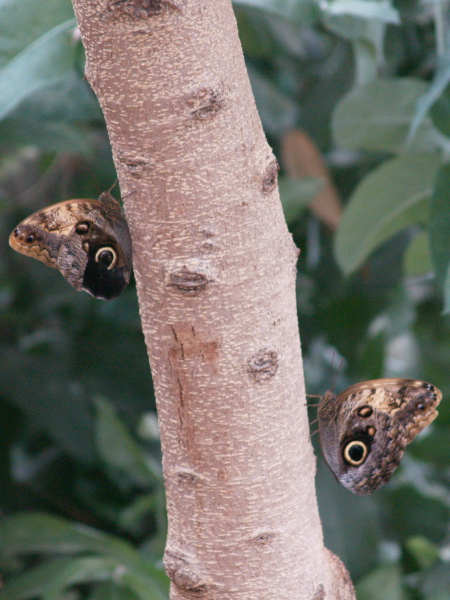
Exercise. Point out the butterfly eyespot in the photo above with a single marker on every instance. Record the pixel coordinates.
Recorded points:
(421, 406)
(106, 256)
(355, 453)
(15, 232)
(30, 238)
(365, 411)
(82, 227)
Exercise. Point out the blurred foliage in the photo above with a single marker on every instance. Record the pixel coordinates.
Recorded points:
(80, 480)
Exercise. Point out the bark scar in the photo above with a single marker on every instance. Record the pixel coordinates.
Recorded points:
(138, 9)
(195, 348)
(264, 538)
(270, 177)
(263, 365)
(136, 165)
(190, 277)
(186, 280)
(320, 593)
(205, 103)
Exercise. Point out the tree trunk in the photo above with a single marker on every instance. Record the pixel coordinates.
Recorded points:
(215, 270)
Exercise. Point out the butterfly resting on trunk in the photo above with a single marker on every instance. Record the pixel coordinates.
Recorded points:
(365, 429)
(88, 241)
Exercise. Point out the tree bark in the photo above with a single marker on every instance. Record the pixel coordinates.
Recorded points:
(215, 271)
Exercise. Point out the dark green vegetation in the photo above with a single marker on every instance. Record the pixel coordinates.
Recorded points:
(368, 80)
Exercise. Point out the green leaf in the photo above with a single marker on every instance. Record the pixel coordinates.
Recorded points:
(381, 10)
(417, 259)
(40, 387)
(351, 529)
(389, 199)
(40, 533)
(440, 112)
(436, 583)
(132, 516)
(57, 137)
(119, 450)
(435, 90)
(378, 116)
(254, 32)
(70, 99)
(26, 533)
(110, 591)
(40, 86)
(276, 110)
(79, 570)
(384, 583)
(298, 11)
(43, 63)
(140, 586)
(296, 194)
(424, 551)
(362, 22)
(22, 24)
(50, 579)
(446, 308)
(440, 225)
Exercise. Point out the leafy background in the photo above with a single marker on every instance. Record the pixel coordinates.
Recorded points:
(365, 87)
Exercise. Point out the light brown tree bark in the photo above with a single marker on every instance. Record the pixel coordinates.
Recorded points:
(215, 270)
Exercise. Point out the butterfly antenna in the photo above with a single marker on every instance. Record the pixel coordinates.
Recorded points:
(129, 194)
(336, 374)
(113, 185)
(313, 396)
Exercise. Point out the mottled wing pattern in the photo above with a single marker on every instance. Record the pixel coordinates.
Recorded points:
(365, 429)
(86, 240)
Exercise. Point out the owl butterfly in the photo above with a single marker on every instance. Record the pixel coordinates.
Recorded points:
(365, 429)
(86, 240)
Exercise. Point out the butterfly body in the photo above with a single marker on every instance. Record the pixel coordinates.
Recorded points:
(365, 429)
(86, 240)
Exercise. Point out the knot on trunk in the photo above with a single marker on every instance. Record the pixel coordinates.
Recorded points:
(135, 165)
(138, 9)
(187, 477)
(320, 593)
(263, 365)
(185, 574)
(270, 177)
(205, 103)
(264, 538)
(190, 277)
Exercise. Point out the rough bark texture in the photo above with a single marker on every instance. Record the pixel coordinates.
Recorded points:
(215, 268)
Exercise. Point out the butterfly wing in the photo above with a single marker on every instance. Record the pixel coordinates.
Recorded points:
(365, 429)
(87, 240)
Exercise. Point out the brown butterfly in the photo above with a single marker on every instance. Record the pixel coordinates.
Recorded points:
(365, 429)
(86, 240)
